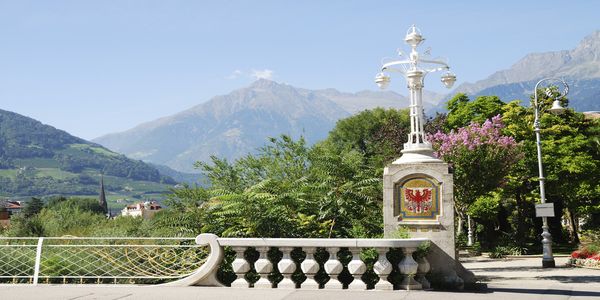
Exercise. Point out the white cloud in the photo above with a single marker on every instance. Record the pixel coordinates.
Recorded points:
(235, 74)
(262, 74)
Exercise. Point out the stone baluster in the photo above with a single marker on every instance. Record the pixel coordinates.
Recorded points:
(310, 267)
(357, 268)
(286, 267)
(408, 267)
(422, 270)
(383, 268)
(263, 267)
(240, 267)
(333, 267)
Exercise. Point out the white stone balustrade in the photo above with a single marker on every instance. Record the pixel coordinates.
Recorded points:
(408, 267)
(310, 267)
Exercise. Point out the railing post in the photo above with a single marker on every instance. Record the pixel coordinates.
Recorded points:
(408, 267)
(383, 268)
(357, 268)
(263, 267)
(333, 267)
(240, 267)
(38, 258)
(422, 270)
(310, 267)
(286, 267)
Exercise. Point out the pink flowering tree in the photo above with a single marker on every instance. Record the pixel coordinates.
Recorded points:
(480, 156)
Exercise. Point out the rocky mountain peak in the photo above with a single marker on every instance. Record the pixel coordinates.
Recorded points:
(263, 83)
(588, 49)
(582, 62)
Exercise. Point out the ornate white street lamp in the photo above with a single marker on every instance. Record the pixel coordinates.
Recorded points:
(415, 67)
(548, 258)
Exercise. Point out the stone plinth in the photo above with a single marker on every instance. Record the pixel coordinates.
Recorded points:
(435, 222)
(419, 196)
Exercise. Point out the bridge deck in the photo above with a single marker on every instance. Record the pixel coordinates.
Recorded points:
(517, 278)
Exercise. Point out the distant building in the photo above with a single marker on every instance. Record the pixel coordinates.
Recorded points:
(145, 210)
(102, 199)
(7, 209)
(4, 219)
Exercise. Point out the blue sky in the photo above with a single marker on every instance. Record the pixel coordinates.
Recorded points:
(96, 67)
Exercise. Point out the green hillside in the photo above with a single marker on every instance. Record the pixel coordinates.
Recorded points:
(40, 160)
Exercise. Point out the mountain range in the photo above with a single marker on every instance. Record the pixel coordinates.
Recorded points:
(238, 123)
(579, 67)
(40, 160)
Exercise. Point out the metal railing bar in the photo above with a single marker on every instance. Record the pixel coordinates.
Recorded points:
(98, 238)
(111, 277)
(123, 246)
(38, 257)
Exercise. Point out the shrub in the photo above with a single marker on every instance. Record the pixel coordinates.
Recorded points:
(578, 254)
(498, 252)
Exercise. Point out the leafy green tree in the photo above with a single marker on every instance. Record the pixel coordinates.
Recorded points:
(480, 157)
(83, 204)
(287, 190)
(70, 221)
(22, 226)
(33, 207)
(571, 165)
(378, 134)
(175, 223)
(462, 111)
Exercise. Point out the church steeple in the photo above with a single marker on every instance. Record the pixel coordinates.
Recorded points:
(102, 199)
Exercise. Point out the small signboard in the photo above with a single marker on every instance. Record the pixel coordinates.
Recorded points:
(544, 210)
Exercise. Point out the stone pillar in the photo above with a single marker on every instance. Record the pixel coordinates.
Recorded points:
(419, 196)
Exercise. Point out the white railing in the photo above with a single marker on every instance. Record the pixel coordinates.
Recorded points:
(412, 272)
(98, 259)
(185, 261)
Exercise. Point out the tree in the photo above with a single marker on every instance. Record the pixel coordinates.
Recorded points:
(571, 166)
(480, 157)
(83, 204)
(33, 207)
(462, 111)
(378, 134)
(289, 190)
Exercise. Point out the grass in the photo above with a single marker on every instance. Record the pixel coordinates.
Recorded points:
(10, 173)
(37, 162)
(97, 150)
(54, 173)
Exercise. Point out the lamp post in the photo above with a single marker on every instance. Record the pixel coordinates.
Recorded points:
(415, 67)
(548, 258)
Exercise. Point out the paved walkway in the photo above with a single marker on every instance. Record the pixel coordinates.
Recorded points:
(524, 278)
(508, 279)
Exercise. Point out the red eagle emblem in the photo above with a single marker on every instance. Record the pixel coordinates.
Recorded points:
(418, 200)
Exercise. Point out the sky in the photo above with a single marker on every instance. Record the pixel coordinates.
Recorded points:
(97, 67)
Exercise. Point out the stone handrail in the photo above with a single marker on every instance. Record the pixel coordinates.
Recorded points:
(413, 272)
